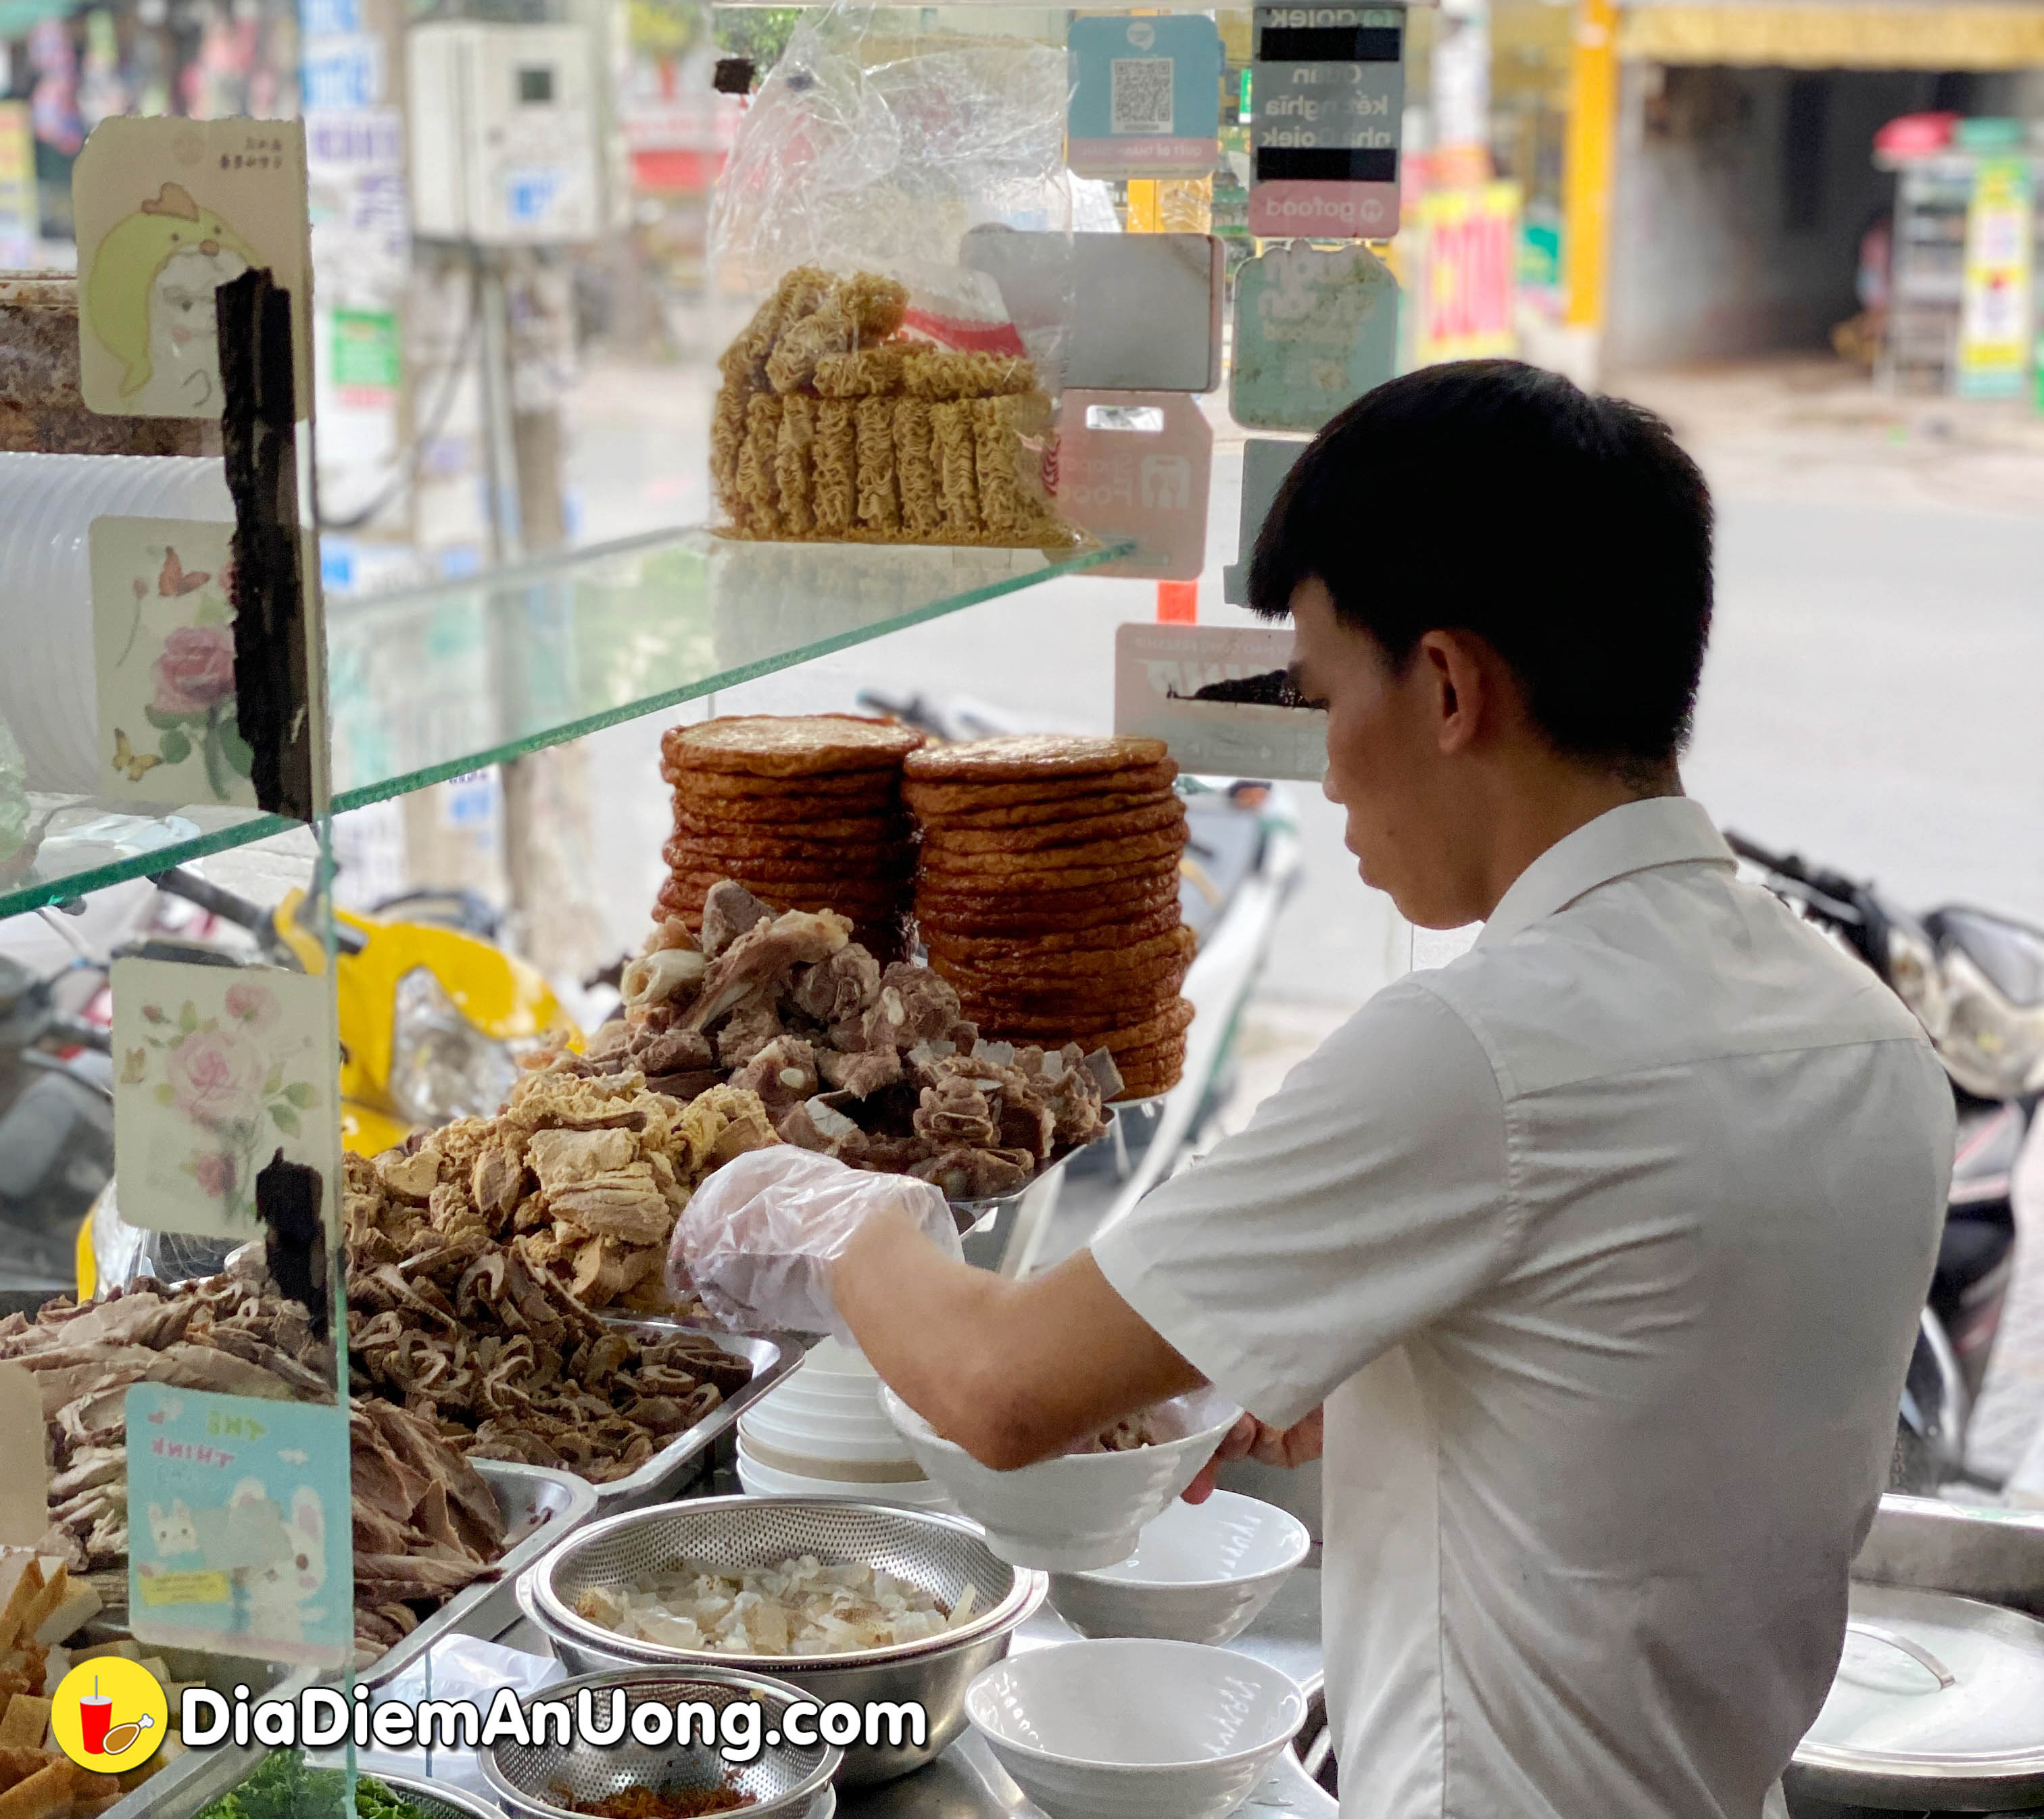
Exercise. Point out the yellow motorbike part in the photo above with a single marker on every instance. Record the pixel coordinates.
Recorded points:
(501, 996)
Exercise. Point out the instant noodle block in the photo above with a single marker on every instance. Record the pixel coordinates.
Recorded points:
(833, 425)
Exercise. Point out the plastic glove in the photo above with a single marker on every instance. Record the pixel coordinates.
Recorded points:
(756, 1240)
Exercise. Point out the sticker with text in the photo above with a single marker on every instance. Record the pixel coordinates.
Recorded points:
(239, 1534)
(1314, 329)
(1145, 96)
(167, 211)
(1220, 696)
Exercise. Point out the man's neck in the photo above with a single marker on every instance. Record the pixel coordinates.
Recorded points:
(1538, 807)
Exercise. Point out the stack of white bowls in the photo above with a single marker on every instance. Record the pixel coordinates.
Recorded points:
(823, 1433)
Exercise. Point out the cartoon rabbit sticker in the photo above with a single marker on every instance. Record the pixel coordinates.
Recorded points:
(174, 1532)
(270, 1596)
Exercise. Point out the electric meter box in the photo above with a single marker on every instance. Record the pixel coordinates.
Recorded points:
(503, 132)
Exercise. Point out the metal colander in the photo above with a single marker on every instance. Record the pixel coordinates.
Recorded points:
(435, 1799)
(546, 1780)
(941, 1554)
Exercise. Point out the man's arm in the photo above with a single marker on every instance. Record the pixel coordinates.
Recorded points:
(1012, 1371)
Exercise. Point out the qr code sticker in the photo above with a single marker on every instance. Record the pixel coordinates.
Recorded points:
(1141, 96)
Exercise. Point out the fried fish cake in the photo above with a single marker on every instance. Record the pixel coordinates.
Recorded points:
(788, 745)
(944, 851)
(1025, 757)
(939, 804)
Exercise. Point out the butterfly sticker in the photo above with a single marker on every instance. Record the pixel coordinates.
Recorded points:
(176, 580)
(137, 764)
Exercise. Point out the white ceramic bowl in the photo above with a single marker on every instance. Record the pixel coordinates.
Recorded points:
(759, 1479)
(1080, 1510)
(1135, 1728)
(1201, 1573)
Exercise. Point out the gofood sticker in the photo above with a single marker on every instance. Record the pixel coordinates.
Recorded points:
(1221, 697)
(167, 211)
(240, 1540)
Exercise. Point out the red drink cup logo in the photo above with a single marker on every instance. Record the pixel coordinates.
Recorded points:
(94, 1715)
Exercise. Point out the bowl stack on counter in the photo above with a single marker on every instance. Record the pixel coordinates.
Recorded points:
(804, 810)
(1047, 893)
(824, 1433)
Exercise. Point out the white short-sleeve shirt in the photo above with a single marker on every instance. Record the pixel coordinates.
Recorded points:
(1604, 1247)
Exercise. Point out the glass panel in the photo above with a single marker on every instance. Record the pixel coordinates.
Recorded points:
(429, 684)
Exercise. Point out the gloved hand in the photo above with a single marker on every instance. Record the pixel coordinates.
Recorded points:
(756, 1240)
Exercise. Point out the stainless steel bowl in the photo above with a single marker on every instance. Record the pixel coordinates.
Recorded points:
(942, 1553)
(785, 1779)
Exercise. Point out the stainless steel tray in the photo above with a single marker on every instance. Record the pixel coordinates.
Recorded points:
(1993, 1554)
(656, 1480)
(541, 1507)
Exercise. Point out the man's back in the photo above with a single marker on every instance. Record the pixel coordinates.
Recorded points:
(1679, 1401)
(1624, 1219)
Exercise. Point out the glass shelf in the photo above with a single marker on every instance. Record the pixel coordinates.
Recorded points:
(430, 683)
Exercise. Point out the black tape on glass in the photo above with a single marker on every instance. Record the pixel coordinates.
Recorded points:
(258, 437)
(1373, 164)
(1330, 45)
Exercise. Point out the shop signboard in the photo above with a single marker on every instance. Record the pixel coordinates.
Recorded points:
(1145, 96)
(1995, 314)
(1138, 464)
(1466, 295)
(21, 215)
(1214, 694)
(340, 74)
(1326, 94)
(1314, 329)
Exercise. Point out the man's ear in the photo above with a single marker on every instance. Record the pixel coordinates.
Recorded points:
(1456, 670)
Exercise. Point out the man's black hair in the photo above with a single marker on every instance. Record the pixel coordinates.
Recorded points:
(1569, 532)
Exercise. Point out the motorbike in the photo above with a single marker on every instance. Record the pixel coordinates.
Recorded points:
(57, 1128)
(433, 1017)
(1975, 981)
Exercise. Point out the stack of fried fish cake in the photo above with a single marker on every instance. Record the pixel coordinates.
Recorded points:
(1047, 893)
(805, 811)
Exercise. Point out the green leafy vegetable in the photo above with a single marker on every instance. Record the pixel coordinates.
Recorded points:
(281, 1787)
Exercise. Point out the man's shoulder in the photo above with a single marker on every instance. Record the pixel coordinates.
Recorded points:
(1654, 970)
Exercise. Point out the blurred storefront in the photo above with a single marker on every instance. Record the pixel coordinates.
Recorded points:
(1723, 198)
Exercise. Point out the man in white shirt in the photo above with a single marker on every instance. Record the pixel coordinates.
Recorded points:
(1601, 1248)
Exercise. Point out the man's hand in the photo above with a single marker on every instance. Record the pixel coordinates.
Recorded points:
(1249, 1438)
(1012, 1371)
(756, 1241)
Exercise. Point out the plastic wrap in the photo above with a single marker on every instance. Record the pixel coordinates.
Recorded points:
(882, 390)
(756, 1240)
(874, 146)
